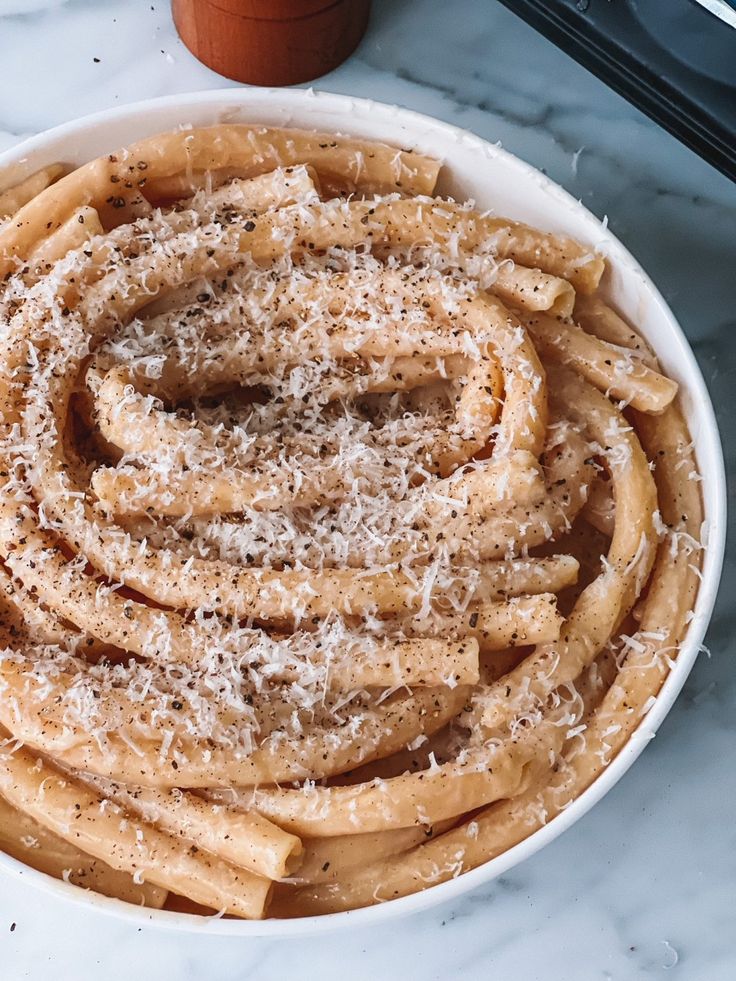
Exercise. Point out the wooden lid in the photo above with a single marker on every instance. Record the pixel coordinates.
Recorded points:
(271, 42)
(273, 9)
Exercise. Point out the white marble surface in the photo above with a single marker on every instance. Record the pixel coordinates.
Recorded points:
(646, 883)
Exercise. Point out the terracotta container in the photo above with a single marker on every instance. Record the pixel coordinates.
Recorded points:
(271, 42)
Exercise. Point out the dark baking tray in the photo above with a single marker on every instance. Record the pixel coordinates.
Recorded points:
(670, 58)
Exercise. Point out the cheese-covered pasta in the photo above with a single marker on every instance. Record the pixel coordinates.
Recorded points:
(346, 533)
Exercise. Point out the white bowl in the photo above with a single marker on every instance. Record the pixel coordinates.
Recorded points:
(495, 180)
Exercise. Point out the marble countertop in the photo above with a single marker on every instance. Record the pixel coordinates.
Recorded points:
(645, 883)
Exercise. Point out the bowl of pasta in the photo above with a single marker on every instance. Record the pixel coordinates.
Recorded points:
(353, 535)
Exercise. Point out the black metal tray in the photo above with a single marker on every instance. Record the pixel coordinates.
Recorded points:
(671, 58)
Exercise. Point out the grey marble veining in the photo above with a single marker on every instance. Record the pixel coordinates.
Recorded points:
(645, 885)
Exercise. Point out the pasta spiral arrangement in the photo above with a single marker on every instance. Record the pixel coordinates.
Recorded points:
(346, 532)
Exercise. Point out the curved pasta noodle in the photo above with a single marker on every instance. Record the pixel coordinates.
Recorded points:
(609, 368)
(128, 753)
(31, 843)
(13, 198)
(79, 816)
(247, 840)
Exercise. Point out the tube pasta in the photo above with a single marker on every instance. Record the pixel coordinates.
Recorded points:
(397, 803)
(81, 226)
(229, 192)
(30, 842)
(600, 509)
(607, 600)
(282, 437)
(345, 164)
(79, 816)
(597, 318)
(329, 859)
(13, 198)
(609, 369)
(246, 840)
(534, 290)
(37, 717)
(496, 626)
